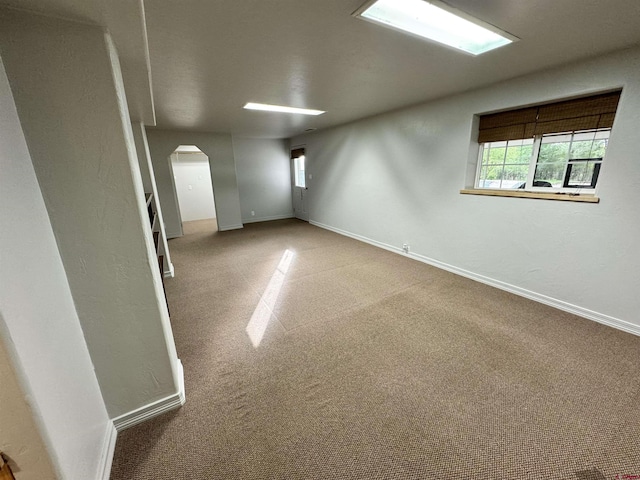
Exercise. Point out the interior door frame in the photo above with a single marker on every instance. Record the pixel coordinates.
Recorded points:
(175, 189)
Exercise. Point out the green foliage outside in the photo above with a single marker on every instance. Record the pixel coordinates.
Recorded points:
(510, 163)
(502, 163)
(553, 159)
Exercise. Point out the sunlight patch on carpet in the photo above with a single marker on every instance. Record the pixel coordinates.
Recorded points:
(257, 326)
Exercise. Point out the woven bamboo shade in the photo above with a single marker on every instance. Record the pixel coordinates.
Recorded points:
(586, 113)
(298, 152)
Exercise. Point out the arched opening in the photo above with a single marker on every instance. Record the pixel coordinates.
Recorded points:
(193, 187)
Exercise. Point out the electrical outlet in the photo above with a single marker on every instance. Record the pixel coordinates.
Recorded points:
(253, 214)
(405, 247)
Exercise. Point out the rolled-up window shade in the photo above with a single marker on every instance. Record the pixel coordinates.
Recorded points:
(298, 152)
(597, 111)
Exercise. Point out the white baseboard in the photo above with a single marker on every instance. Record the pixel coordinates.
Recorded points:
(182, 393)
(153, 409)
(106, 459)
(267, 219)
(538, 297)
(171, 272)
(355, 236)
(230, 227)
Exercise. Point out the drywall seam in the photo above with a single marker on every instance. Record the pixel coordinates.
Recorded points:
(104, 467)
(154, 409)
(267, 219)
(552, 302)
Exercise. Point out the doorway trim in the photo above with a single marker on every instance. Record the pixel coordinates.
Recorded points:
(174, 187)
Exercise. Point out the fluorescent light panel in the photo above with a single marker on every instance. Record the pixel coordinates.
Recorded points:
(434, 20)
(281, 109)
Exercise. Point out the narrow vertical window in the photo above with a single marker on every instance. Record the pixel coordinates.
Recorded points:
(299, 169)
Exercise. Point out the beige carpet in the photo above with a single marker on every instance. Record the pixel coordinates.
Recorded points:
(369, 365)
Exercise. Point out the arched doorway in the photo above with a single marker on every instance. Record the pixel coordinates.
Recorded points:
(191, 175)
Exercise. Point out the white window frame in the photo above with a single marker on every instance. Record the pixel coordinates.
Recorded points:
(299, 162)
(533, 162)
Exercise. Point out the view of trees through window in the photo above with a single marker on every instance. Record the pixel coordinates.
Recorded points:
(583, 149)
(507, 164)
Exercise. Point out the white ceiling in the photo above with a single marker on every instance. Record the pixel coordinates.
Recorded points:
(209, 57)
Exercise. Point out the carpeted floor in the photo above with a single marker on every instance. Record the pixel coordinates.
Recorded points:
(309, 355)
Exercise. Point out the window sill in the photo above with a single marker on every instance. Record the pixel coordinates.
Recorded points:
(565, 197)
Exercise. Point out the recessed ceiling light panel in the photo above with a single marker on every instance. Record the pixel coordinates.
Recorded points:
(281, 109)
(437, 21)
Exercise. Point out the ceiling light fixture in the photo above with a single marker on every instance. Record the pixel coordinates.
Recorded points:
(435, 20)
(281, 109)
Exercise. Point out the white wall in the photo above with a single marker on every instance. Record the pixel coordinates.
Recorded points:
(192, 179)
(68, 90)
(41, 331)
(396, 178)
(219, 149)
(264, 178)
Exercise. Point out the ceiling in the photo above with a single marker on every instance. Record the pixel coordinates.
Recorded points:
(207, 58)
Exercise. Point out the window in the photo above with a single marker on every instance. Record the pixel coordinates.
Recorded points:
(558, 147)
(298, 168)
(571, 160)
(505, 164)
(560, 161)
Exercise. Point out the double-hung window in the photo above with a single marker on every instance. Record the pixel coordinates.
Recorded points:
(557, 147)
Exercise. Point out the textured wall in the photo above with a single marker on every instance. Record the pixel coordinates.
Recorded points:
(68, 91)
(264, 178)
(219, 149)
(395, 178)
(41, 330)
